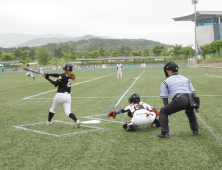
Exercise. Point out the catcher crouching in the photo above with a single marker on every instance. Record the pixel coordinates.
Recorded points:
(141, 113)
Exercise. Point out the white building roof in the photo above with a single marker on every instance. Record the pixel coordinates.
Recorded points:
(200, 15)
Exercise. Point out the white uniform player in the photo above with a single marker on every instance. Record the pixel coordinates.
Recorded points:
(141, 116)
(29, 73)
(141, 113)
(119, 69)
(41, 70)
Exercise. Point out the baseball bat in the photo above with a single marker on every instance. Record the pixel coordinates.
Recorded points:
(28, 69)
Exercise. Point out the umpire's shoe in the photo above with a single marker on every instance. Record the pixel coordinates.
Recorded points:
(163, 135)
(195, 133)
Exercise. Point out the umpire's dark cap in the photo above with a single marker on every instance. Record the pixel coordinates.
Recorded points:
(171, 66)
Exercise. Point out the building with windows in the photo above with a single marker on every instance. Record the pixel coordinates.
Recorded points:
(208, 26)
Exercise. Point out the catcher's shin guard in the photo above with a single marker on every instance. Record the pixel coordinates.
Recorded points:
(157, 123)
(129, 126)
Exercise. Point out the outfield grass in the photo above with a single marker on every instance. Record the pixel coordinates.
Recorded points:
(24, 103)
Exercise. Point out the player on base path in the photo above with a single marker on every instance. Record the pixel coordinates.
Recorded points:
(63, 96)
(29, 73)
(141, 113)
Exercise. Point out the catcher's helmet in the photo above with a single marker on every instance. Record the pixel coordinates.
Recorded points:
(170, 66)
(68, 66)
(134, 98)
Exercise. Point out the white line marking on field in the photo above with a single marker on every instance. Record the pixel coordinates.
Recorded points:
(72, 85)
(213, 76)
(128, 89)
(91, 121)
(218, 138)
(55, 135)
(92, 117)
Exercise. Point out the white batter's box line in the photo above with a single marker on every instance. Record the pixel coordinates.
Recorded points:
(103, 115)
(94, 129)
(72, 85)
(91, 117)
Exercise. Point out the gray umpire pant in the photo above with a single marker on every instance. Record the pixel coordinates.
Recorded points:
(180, 102)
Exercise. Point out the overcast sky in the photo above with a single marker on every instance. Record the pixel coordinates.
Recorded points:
(131, 19)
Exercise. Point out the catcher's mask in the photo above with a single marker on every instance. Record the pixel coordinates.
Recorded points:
(68, 66)
(170, 66)
(134, 98)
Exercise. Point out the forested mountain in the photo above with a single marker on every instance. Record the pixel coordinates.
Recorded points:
(121, 45)
(11, 40)
(82, 48)
(43, 41)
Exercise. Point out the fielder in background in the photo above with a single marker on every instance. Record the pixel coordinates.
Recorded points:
(41, 70)
(29, 73)
(183, 97)
(63, 96)
(141, 113)
(119, 70)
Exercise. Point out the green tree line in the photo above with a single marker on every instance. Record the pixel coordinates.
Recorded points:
(211, 48)
(93, 48)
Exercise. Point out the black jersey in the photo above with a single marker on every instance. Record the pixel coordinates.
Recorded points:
(64, 82)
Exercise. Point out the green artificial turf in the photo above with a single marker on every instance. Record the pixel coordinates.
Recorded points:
(27, 143)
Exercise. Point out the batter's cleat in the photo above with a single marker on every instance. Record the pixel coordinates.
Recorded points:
(163, 135)
(33, 78)
(78, 124)
(195, 133)
(48, 123)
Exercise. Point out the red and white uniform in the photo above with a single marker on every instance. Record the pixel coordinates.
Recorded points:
(142, 114)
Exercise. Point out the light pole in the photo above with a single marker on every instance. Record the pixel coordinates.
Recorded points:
(195, 2)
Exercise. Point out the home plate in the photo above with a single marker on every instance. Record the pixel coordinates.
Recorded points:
(91, 121)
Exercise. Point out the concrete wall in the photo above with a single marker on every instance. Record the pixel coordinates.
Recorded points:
(205, 34)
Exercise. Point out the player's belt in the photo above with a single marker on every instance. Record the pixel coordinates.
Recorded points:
(180, 94)
(64, 92)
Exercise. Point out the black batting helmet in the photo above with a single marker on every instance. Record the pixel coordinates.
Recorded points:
(170, 66)
(68, 66)
(134, 98)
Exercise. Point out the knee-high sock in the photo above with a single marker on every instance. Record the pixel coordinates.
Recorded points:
(73, 117)
(50, 116)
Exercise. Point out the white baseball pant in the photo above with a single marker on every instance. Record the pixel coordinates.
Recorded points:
(29, 73)
(64, 99)
(119, 72)
(143, 118)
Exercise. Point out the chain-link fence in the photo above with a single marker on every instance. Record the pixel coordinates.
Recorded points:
(214, 55)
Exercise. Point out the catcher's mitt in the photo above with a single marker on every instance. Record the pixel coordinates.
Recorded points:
(112, 113)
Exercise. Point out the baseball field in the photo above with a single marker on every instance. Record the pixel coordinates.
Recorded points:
(26, 142)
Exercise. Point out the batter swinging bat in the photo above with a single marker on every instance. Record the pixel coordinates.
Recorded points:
(28, 69)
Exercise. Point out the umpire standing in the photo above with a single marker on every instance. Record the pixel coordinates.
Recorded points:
(183, 96)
